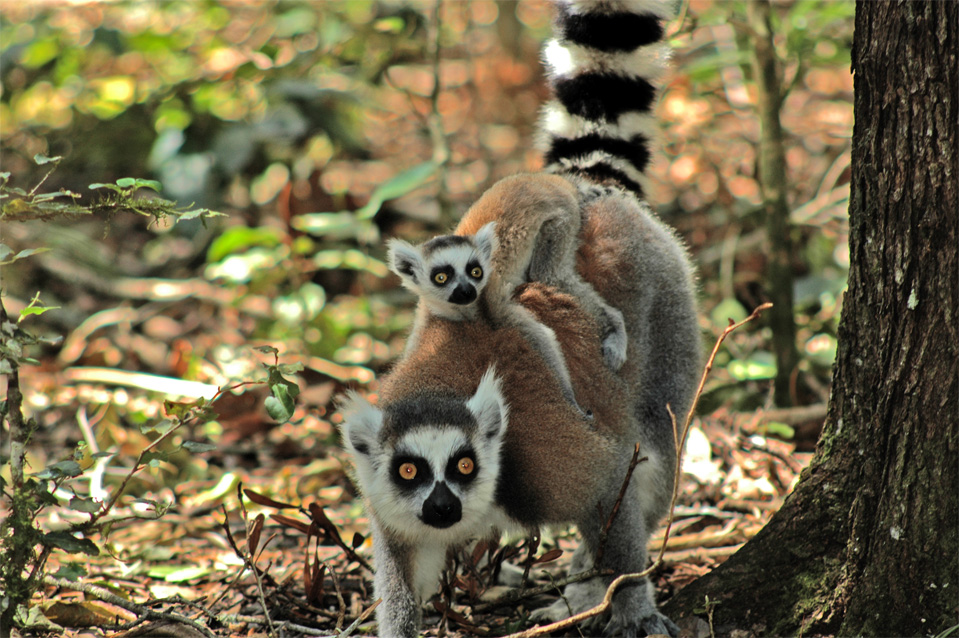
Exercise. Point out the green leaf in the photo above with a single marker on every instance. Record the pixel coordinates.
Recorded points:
(152, 184)
(240, 238)
(71, 571)
(5, 253)
(344, 224)
(781, 430)
(397, 186)
(87, 505)
(177, 409)
(35, 310)
(112, 187)
(759, 366)
(153, 458)
(196, 447)
(42, 159)
(70, 543)
(179, 574)
(63, 469)
(280, 406)
(277, 411)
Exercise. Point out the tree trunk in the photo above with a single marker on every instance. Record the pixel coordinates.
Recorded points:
(772, 180)
(869, 541)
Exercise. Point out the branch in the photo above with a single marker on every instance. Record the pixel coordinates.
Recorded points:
(598, 610)
(619, 501)
(140, 610)
(681, 444)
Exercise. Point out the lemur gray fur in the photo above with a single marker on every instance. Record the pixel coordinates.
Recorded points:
(472, 435)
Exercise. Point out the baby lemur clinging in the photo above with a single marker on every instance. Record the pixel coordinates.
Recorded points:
(525, 228)
(473, 435)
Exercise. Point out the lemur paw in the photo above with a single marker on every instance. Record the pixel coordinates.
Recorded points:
(656, 624)
(614, 345)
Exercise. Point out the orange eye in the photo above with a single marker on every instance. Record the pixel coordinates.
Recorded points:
(440, 277)
(465, 465)
(476, 273)
(408, 471)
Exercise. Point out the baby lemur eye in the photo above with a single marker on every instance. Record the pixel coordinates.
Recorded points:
(465, 465)
(476, 272)
(440, 277)
(408, 471)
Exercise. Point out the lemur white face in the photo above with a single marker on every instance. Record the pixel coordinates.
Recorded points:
(429, 466)
(449, 269)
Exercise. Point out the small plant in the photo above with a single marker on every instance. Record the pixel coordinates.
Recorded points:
(24, 546)
(17, 204)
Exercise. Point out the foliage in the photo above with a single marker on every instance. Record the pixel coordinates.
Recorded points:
(58, 486)
(21, 205)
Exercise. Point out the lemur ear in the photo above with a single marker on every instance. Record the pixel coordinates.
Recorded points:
(361, 423)
(405, 260)
(489, 406)
(485, 239)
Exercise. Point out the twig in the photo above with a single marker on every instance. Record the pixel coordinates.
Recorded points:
(681, 444)
(565, 600)
(336, 588)
(515, 595)
(589, 613)
(248, 561)
(135, 608)
(604, 535)
(359, 621)
(533, 545)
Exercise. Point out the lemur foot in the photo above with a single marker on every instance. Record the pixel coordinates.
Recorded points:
(615, 342)
(656, 624)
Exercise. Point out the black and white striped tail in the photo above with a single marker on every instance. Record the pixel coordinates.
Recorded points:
(602, 65)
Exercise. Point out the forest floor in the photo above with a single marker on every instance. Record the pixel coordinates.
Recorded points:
(224, 543)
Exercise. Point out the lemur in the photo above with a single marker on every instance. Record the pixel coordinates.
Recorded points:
(472, 437)
(526, 227)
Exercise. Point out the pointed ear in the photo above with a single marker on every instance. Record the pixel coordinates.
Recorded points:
(406, 260)
(485, 240)
(489, 406)
(361, 424)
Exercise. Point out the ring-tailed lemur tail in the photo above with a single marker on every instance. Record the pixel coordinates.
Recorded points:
(603, 66)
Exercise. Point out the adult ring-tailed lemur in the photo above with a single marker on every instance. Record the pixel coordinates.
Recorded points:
(518, 405)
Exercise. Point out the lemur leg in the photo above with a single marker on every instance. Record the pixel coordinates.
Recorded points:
(634, 611)
(544, 341)
(399, 613)
(577, 597)
(405, 575)
(554, 263)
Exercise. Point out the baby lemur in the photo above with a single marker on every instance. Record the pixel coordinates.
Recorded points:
(525, 228)
(472, 436)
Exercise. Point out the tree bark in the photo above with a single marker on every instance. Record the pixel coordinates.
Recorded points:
(868, 543)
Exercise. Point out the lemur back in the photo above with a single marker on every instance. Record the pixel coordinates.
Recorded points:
(471, 436)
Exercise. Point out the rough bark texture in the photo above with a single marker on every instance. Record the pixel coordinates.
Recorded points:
(868, 543)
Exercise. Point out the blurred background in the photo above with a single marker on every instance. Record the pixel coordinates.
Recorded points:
(320, 129)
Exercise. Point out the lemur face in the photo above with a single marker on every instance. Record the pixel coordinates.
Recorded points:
(449, 269)
(429, 466)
